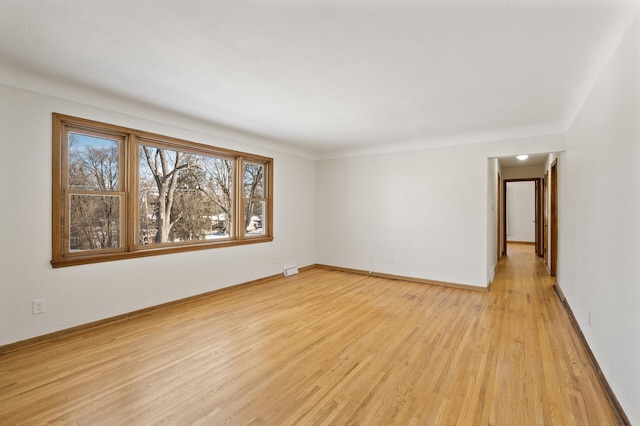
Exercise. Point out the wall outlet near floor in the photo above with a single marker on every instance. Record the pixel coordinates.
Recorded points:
(39, 306)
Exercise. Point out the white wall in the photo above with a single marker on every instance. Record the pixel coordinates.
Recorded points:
(422, 214)
(81, 294)
(521, 205)
(599, 231)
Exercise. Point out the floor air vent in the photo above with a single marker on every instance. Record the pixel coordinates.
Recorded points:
(290, 271)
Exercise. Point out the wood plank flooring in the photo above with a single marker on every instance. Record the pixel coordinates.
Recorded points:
(322, 347)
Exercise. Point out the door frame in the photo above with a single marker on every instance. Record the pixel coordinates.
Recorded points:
(553, 218)
(538, 217)
(499, 221)
(545, 218)
(539, 228)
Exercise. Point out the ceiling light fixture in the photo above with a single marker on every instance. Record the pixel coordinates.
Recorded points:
(522, 157)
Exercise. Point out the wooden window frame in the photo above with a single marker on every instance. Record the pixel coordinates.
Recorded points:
(131, 140)
(243, 199)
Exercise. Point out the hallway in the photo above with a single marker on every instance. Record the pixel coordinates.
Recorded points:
(547, 374)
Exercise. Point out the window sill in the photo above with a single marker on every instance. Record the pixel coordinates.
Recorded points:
(93, 258)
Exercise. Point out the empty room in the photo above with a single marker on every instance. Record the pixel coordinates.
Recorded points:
(320, 212)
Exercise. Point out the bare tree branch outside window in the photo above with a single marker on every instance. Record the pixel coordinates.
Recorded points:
(94, 221)
(191, 198)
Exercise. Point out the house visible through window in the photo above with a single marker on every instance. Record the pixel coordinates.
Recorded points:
(120, 193)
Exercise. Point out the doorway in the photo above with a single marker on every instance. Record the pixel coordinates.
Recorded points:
(534, 207)
(542, 170)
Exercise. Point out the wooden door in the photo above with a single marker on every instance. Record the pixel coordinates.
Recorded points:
(545, 219)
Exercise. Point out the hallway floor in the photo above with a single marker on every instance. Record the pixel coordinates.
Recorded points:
(549, 376)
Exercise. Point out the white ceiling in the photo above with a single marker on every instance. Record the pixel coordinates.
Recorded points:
(329, 75)
(533, 160)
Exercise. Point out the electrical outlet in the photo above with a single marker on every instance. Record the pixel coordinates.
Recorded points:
(39, 306)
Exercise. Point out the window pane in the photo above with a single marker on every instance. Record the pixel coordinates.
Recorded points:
(93, 163)
(254, 217)
(183, 196)
(94, 222)
(253, 180)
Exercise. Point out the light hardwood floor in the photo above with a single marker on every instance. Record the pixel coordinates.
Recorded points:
(323, 347)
